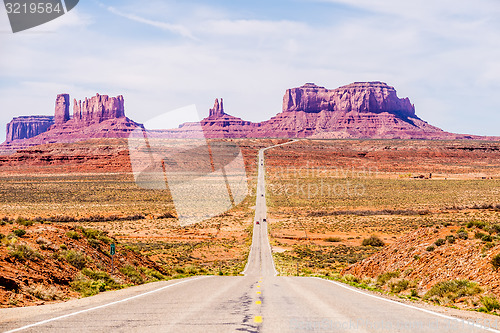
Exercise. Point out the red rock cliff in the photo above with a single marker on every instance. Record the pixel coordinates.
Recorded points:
(26, 127)
(363, 97)
(98, 109)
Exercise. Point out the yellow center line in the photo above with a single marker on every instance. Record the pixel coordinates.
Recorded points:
(257, 319)
(258, 286)
(258, 302)
(258, 292)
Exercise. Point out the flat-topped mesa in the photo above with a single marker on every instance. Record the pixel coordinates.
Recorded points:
(26, 127)
(362, 97)
(98, 109)
(218, 109)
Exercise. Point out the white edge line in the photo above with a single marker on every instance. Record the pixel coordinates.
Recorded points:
(101, 306)
(410, 306)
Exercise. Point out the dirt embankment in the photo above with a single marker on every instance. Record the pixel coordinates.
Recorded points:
(47, 262)
(431, 255)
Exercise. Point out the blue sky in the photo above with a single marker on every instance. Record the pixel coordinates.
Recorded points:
(162, 55)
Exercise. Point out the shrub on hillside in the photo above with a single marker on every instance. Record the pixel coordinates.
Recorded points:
(73, 235)
(132, 274)
(24, 252)
(440, 242)
(19, 232)
(385, 277)
(490, 303)
(373, 241)
(453, 289)
(495, 261)
(75, 258)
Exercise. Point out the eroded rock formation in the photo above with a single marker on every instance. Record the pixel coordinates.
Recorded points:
(362, 97)
(26, 127)
(98, 109)
(98, 117)
(62, 109)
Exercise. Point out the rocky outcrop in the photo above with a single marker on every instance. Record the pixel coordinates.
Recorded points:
(218, 109)
(98, 109)
(21, 128)
(360, 97)
(462, 259)
(358, 110)
(98, 117)
(62, 109)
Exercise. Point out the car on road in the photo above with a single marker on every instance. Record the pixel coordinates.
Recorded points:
(264, 220)
(257, 222)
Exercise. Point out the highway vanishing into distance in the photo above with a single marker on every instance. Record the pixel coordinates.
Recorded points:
(259, 301)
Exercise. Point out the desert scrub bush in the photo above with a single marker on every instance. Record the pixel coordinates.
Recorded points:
(479, 235)
(430, 248)
(462, 234)
(333, 239)
(494, 229)
(24, 252)
(373, 241)
(96, 234)
(487, 238)
(451, 239)
(19, 232)
(440, 242)
(75, 258)
(490, 303)
(109, 282)
(452, 290)
(399, 286)
(94, 243)
(132, 274)
(63, 247)
(45, 244)
(349, 278)
(73, 235)
(495, 261)
(152, 274)
(42, 292)
(383, 278)
(87, 287)
(24, 222)
(477, 224)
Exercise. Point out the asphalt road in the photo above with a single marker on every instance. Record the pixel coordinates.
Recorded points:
(259, 301)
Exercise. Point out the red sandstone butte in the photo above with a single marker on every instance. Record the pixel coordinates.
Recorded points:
(360, 110)
(98, 117)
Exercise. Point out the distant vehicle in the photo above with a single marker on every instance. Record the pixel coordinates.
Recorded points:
(257, 222)
(262, 195)
(264, 220)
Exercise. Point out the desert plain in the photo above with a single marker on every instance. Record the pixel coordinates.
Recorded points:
(416, 219)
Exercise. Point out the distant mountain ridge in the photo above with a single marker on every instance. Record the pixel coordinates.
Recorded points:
(360, 110)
